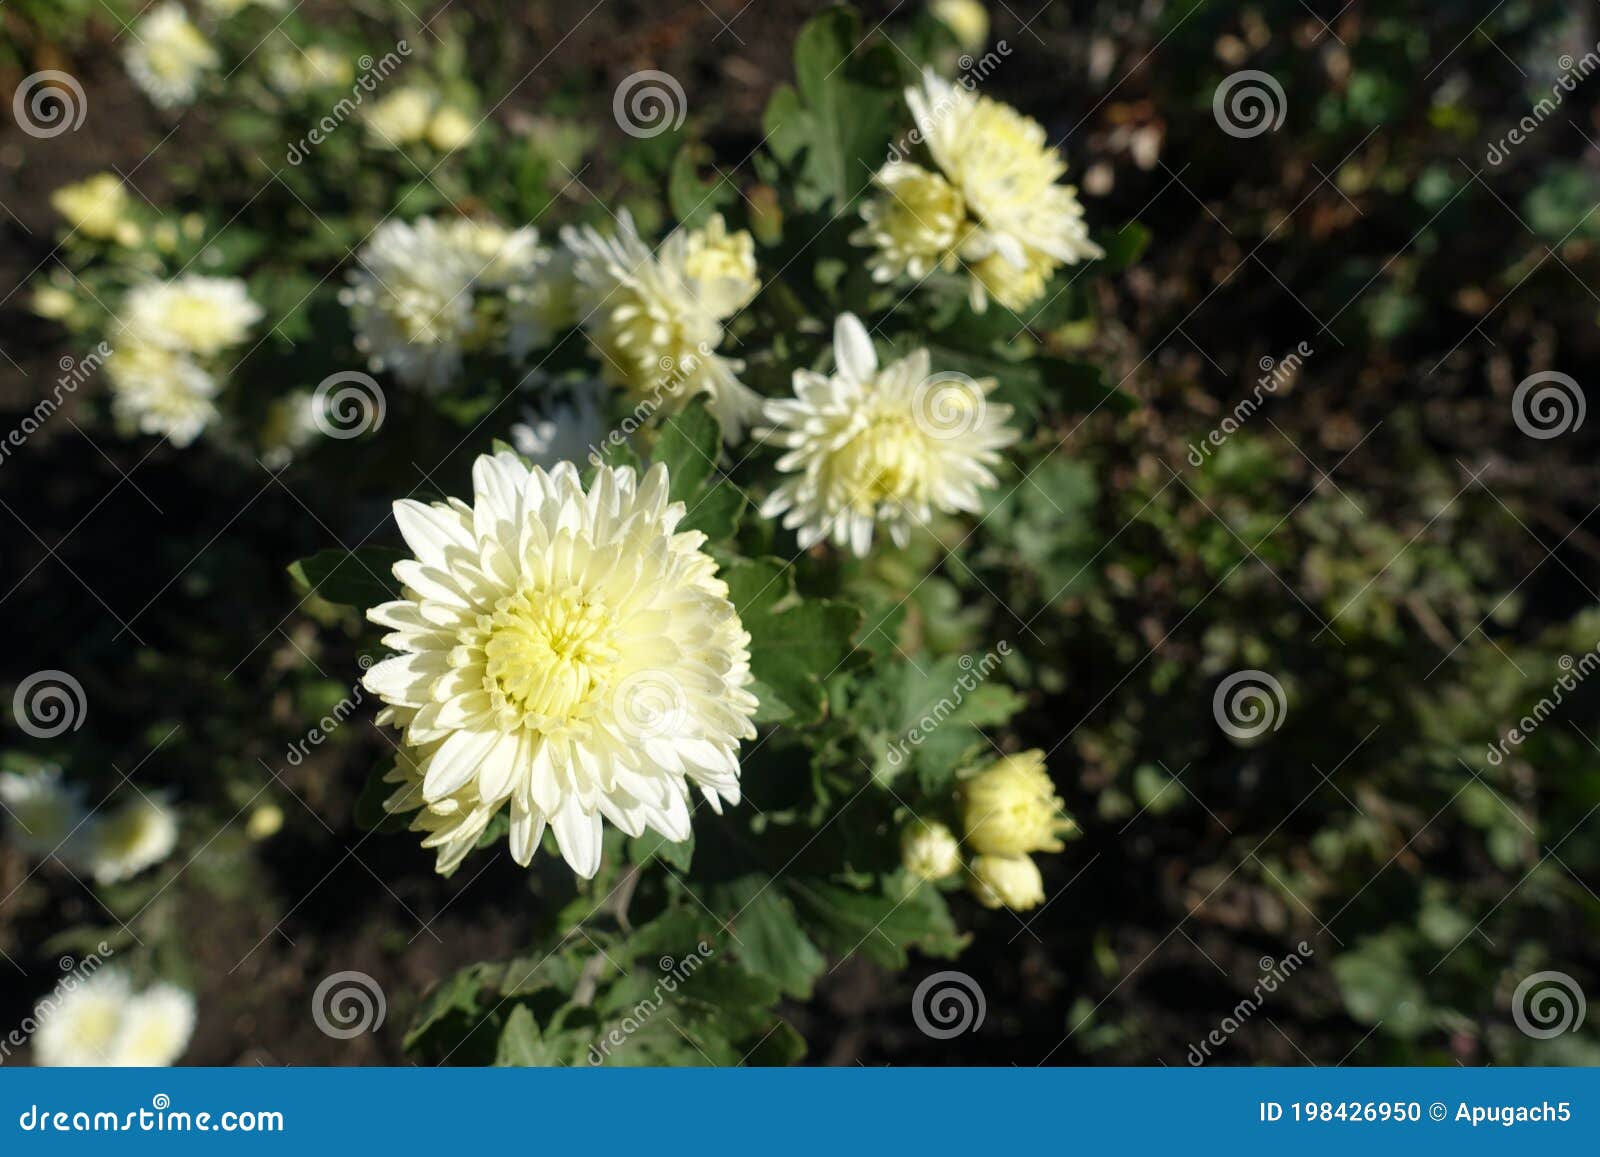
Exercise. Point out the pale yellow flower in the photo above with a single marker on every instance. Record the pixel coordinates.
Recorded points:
(929, 850)
(1007, 882)
(870, 446)
(1011, 808)
(449, 129)
(565, 653)
(97, 207)
(402, 117)
(967, 20)
(168, 56)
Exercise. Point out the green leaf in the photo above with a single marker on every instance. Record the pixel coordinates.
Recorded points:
(794, 648)
(882, 927)
(851, 102)
(689, 444)
(653, 845)
(693, 200)
(717, 511)
(360, 578)
(769, 938)
(521, 1044)
(450, 1012)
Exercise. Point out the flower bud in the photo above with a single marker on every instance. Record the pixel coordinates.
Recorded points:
(929, 850)
(1007, 882)
(1011, 808)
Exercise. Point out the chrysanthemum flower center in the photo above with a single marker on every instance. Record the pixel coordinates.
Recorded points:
(885, 461)
(547, 652)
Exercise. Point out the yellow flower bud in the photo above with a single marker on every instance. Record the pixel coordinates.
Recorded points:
(1007, 882)
(449, 129)
(96, 207)
(967, 20)
(929, 850)
(1011, 808)
(51, 302)
(264, 822)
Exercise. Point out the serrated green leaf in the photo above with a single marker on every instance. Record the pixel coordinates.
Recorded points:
(769, 939)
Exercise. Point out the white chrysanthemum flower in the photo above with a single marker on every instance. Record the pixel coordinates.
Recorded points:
(402, 117)
(156, 1027)
(79, 1023)
(168, 56)
(567, 653)
(43, 810)
(569, 433)
(99, 1021)
(157, 391)
(656, 325)
(915, 227)
(888, 445)
(297, 70)
(193, 314)
(1002, 168)
(139, 834)
(413, 299)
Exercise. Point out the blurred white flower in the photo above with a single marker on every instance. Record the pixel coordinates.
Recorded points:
(967, 20)
(139, 834)
(565, 652)
(42, 809)
(869, 445)
(168, 56)
(156, 1027)
(98, 207)
(226, 8)
(295, 70)
(450, 128)
(100, 1021)
(160, 392)
(402, 117)
(291, 425)
(568, 433)
(412, 299)
(79, 1025)
(192, 314)
(657, 324)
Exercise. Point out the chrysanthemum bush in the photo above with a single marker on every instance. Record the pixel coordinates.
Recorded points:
(684, 473)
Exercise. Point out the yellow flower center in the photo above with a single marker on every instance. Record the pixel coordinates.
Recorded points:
(883, 462)
(547, 652)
